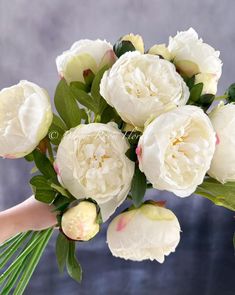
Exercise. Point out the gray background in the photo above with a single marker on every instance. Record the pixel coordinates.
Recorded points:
(32, 34)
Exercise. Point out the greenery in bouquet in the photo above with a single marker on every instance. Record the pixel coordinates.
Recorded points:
(128, 119)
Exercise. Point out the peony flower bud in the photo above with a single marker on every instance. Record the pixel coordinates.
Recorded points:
(25, 117)
(223, 163)
(136, 40)
(149, 232)
(161, 50)
(80, 222)
(82, 56)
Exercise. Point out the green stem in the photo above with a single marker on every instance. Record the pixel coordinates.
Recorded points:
(9, 252)
(35, 257)
(10, 241)
(14, 277)
(221, 97)
(36, 238)
(50, 152)
(97, 118)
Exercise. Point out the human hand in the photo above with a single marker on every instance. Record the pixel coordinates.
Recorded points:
(29, 215)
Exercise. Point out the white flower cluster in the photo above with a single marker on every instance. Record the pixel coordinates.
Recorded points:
(179, 142)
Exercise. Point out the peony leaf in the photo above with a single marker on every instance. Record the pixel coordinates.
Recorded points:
(44, 165)
(231, 93)
(123, 46)
(83, 98)
(45, 196)
(62, 249)
(138, 187)
(195, 93)
(100, 102)
(73, 267)
(220, 194)
(66, 105)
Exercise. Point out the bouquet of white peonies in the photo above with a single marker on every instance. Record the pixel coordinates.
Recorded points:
(129, 119)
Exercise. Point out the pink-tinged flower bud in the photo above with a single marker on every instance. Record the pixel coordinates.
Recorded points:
(80, 222)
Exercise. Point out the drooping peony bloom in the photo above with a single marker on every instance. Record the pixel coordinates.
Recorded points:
(192, 57)
(177, 149)
(91, 163)
(25, 117)
(82, 56)
(80, 222)
(149, 232)
(139, 86)
(223, 162)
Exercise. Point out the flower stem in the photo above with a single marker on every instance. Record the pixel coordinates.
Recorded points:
(10, 241)
(36, 238)
(221, 97)
(10, 251)
(34, 259)
(50, 152)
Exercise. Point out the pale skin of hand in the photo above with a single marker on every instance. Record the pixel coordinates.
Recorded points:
(28, 215)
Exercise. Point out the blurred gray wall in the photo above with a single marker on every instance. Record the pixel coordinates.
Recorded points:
(32, 34)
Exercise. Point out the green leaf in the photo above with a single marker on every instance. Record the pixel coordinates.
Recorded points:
(190, 82)
(59, 123)
(44, 165)
(123, 46)
(56, 130)
(83, 98)
(79, 85)
(61, 190)
(66, 105)
(195, 93)
(220, 194)
(39, 181)
(138, 187)
(73, 267)
(45, 196)
(109, 114)
(95, 91)
(29, 157)
(205, 101)
(61, 203)
(231, 93)
(131, 153)
(62, 249)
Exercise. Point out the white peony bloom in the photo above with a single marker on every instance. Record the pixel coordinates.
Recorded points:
(191, 56)
(223, 163)
(83, 55)
(80, 222)
(149, 232)
(91, 163)
(139, 86)
(176, 149)
(25, 117)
